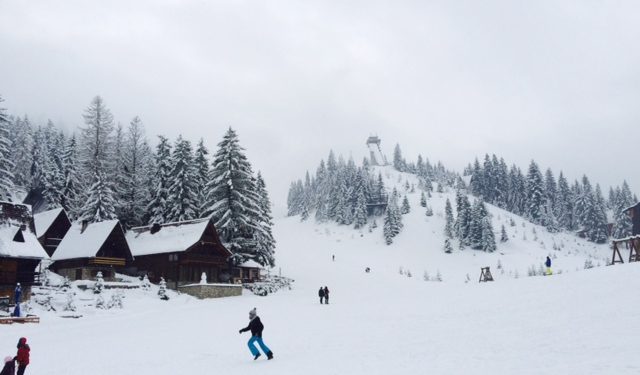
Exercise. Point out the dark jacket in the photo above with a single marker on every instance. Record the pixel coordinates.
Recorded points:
(256, 327)
(548, 262)
(321, 293)
(23, 352)
(326, 292)
(9, 368)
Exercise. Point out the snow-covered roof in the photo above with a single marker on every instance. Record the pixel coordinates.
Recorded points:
(171, 237)
(44, 220)
(251, 264)
(30, 248)
(630, 207)
(78, 244)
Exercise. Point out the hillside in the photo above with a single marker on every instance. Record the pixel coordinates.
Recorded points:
(377, 322)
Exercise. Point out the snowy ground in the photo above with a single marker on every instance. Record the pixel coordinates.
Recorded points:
(578, 322)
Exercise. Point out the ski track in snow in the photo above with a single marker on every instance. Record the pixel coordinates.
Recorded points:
(377, 323)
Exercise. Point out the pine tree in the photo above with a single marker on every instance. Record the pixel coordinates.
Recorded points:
(70, 197)
(503, 235)
(463, 221)
(535, 194)
(622, 200)
(133, 194)
(488, 238)
(448, 217)
(22, 147)
(96, 148)
(265, 243)
(157, 208)
(398, 161)
(564, 204)
(181, 198)
(361, 210)
(405, 206)
(201, 175)
(232, 199)
(447, 246)
(100, 205)
(6, 162)
(423, 200)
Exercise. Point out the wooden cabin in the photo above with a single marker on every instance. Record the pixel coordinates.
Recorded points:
(248, 272)
(634, 214)
(180, 252)
(51, 227)
(89, 248)
(20, 251)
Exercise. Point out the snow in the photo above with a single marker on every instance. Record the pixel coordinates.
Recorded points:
(44, 220)
(78, 244)
(30, 248)
(577, 322)
(251, 264)
(170, 238)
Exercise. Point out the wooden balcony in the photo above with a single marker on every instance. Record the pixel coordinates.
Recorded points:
(105, 261)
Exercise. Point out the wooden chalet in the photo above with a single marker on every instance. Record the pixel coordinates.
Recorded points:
(632, 243)
(180, 252)
(248, 272)
(51, 227)
(89, 248)
(20, 251)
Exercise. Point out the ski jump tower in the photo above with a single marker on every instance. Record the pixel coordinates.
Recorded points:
(375, 153)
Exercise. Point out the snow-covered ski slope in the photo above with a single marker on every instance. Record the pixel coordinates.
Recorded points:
(382, 322)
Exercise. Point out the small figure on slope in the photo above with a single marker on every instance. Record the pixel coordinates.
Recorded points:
(321, 295)
(326, 295)
(9, 367)
(548, 264)
(23, 355)
(256, 327)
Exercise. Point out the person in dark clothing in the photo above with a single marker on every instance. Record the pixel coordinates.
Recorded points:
(326, 295)
(548, 264)
(321, 295)
(9, 367)
(256, 327)
(23, 355)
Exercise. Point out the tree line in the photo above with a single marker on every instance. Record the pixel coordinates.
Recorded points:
(106, 171)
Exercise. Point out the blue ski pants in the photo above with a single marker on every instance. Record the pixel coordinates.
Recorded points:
(253, 348)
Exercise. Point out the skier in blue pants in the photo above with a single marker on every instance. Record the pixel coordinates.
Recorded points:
(256, 327)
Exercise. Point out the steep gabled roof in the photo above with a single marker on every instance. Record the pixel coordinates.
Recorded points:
(16, 218)
(44, 220)
(84, 244)
(166, 238)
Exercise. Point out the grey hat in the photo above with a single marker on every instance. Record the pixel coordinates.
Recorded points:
(253, 312)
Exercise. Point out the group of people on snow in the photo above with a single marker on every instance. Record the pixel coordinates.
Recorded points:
(22, 357)
(323, 293)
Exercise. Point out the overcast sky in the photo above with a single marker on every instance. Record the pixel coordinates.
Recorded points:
(558, 82)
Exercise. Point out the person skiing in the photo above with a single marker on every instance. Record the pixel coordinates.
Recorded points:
(326, 295)
(548, 264)
(23, 355)
(321, 295)
(9, 367)
(256, 327)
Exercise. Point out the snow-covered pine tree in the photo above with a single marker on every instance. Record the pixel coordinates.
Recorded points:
(22, 148)
(6, 162)
(96, 142)
(232, 198)
(503, 235)
(551, 191)
(488, 238)
(423, 200)
(447, 246)
(475, 226)
(448, 218)
(100, 204)
(535, 194)
(265, 243)
(201, 175)
(38, 159)
(133, 193)
(463, 220)
(387, 228)
(157, 208)
(182, 194)
(623, 225)
(406, 208)
(361, 210)
(564, 204)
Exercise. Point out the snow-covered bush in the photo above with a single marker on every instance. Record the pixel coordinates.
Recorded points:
(162, 292)
(588, 264)
(146, 284)
(270, 284)
(116, 300)
(99, 285)
(70, 304)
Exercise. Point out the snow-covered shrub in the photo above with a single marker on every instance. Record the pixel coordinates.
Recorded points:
(99, 285)
(425, 276)
(429, 211)
(100, 301)
(438, 276)
(115, 301)
(588, 264)
(146, 284)
(70, 304)
(409, 273)
(66, 284)
(401, 270)
(270, 284)
(162, 292)
(45, 277)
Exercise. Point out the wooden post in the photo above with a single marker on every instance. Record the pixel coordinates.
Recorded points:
(633, 250)
(616, 251)
(485, 275)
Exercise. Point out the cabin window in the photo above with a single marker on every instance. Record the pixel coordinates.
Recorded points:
(173, 257)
